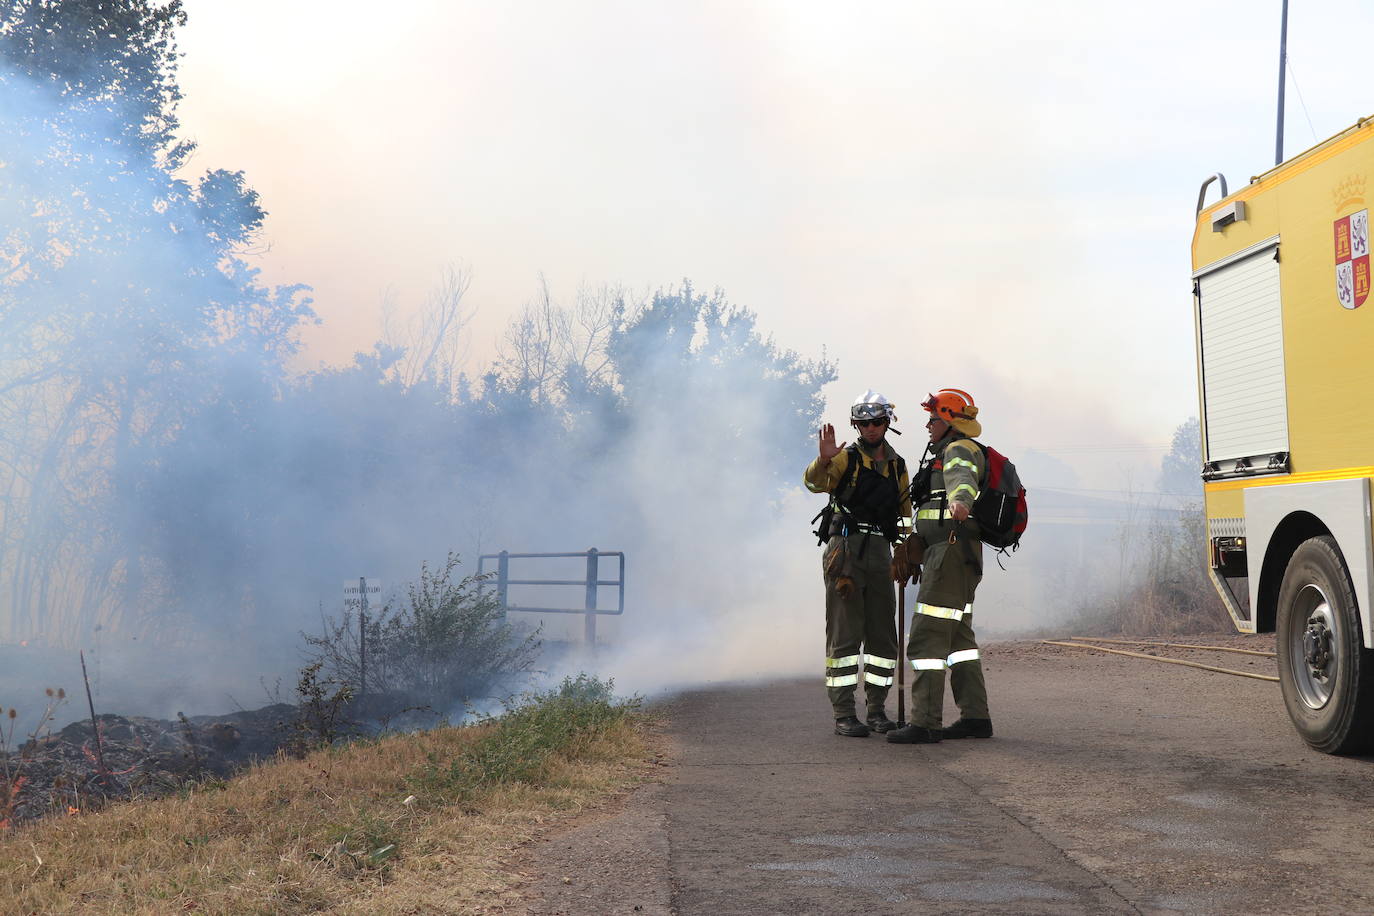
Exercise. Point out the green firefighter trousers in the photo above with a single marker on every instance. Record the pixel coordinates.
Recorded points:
(864, 621)
(942, 639)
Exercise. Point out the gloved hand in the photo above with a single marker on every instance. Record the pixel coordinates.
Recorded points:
(915, 550)
(906, 559)
(901, 569)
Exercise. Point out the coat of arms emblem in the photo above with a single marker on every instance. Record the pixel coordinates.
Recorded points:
(1352, 259)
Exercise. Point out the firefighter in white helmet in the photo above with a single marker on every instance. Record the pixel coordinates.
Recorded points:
(869, 510)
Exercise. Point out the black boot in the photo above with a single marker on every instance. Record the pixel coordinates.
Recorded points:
(915, 734)
(850, 727)
(969, 728)
(880, 723)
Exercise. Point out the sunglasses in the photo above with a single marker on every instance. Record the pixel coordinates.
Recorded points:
(864, 423)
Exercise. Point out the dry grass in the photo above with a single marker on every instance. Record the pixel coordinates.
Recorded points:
(310, 836)
(1161, 587)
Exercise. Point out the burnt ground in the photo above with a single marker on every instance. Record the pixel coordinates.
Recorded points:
(136, 757)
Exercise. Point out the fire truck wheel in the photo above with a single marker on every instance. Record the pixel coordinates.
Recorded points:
(1326, 674)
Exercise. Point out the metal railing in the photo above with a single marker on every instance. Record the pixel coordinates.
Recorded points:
(589, 583)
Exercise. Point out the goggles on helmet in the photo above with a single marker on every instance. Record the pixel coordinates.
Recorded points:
(870, 411)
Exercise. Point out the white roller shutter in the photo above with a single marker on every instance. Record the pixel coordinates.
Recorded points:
(1241, 323)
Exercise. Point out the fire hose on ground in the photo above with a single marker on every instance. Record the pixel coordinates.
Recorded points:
(1167, 661)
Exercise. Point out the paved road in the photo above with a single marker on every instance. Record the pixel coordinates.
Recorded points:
(1113, 785)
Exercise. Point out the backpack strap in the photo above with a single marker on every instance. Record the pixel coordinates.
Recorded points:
(984, 449)
(833, 504)
(969, 556)
(850, 472)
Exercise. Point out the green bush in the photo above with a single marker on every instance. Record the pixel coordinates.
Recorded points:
(442, 645)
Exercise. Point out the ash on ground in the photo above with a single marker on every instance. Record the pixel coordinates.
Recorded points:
(136, 757)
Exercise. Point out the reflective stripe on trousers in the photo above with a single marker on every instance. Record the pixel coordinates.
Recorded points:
(948, 613)
(940, 664)
(834, 667)
(879, 671)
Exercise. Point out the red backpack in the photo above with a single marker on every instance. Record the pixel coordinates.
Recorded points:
(1000, 508)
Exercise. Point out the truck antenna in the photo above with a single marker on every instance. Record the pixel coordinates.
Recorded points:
(1283, 68)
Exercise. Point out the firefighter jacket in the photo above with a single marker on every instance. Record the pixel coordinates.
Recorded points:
(826, 479)
(951, 568)
(953, 476)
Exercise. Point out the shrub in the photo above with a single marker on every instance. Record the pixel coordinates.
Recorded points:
(321, 717)
(445, 643)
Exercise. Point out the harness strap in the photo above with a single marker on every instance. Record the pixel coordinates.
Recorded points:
(851, 472)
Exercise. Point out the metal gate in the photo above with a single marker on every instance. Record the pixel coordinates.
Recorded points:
(590, 583)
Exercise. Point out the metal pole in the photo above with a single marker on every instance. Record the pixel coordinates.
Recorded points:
(901, 653)
(590, 629)
(502, 574)
(362, 638)
(1283, 69)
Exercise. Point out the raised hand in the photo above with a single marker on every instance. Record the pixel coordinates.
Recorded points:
(828, 448)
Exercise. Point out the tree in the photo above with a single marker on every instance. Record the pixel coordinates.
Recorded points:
(429, 347)
(550, 350)
(125, 306)
(1180, 470)
(723, 378)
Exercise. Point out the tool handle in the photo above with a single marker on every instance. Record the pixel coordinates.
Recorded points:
(901, 655)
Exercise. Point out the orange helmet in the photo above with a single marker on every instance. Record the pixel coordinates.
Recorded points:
(956, 408)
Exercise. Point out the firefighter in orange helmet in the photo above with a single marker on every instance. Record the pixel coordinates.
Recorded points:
(942, 638)
(869, 509)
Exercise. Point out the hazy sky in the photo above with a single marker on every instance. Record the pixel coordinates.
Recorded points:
(996, 196)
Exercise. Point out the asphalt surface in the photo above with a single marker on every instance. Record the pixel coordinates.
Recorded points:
(1113, 785)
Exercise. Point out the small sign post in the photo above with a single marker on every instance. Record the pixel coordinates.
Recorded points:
(355, 595)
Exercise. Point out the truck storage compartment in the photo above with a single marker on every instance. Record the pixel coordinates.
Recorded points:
(1240, 328)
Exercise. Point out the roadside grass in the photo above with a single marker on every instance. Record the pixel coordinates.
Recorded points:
(339, 831)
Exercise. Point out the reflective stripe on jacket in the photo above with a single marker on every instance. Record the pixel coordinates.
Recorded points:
(956, 470)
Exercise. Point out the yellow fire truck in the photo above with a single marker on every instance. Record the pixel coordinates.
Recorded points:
(1285, 356)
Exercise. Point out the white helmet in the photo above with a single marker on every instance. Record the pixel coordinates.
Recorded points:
(872, 406)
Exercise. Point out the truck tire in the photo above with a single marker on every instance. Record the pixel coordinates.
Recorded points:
(1325, 673)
